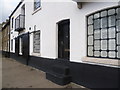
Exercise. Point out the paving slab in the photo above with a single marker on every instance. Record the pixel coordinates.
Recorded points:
(18, 75)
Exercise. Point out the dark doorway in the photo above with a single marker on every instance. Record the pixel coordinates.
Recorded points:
(17, 46)
(25, 46)
(64, 39)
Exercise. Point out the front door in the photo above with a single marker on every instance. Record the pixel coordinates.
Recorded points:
(25, 46)
(64, 39)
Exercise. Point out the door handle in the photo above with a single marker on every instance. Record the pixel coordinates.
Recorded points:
(67, 50)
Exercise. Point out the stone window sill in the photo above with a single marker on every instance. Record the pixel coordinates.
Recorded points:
(35, 11)
(112, 62)
(36, 54)
(20, 53)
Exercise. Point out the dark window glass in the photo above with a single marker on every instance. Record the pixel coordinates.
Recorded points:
(37, 4)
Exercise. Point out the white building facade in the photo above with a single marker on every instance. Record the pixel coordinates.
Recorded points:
(61, 30)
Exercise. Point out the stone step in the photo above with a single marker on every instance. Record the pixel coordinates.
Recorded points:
(64, 70)
(58, 78)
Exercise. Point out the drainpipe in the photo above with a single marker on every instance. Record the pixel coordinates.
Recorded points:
(9, 39)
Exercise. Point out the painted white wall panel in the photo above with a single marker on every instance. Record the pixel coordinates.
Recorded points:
(46, 20)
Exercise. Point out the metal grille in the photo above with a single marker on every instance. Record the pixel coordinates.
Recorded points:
(103, 33)
(20, 22)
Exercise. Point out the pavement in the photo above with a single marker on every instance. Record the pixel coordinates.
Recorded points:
(17, 75)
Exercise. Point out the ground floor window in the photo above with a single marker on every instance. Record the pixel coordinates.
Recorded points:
(12, 45)
(103, 33)
(36, 42)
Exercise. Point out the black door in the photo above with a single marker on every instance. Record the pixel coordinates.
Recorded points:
(64, 39)
(17, 46)
(25, 46)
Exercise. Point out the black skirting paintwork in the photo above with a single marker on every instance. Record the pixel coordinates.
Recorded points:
(89, 75)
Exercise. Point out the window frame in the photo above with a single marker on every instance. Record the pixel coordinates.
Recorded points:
(38, 31)
(108, 38)
(37, 3)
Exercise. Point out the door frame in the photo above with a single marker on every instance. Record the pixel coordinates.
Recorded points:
(57, 37)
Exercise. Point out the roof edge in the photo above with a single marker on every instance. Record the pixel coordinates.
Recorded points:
(16, 8)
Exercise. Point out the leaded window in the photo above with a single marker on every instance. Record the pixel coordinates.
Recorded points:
(37, 4)
(103, 33)
(36, 42)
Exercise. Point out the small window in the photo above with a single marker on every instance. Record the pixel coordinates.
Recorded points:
(37, 4)
(36, 42)
(12, 45)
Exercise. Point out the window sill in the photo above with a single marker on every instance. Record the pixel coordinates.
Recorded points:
(113, 62)
(35, 11)
(36, 54)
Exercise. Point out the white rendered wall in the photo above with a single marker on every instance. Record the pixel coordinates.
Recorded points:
(46, 20)
(14, 34)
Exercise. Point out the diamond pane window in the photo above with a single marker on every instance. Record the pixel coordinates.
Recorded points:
(104, 33)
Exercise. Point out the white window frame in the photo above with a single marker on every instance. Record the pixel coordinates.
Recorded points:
(34, 52)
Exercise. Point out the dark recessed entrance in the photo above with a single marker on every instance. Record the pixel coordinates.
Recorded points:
(64, 39)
